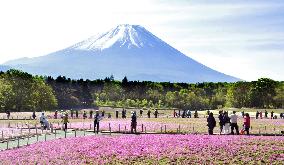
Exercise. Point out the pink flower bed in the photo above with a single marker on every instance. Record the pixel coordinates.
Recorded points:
(121, 125)
(151, 149)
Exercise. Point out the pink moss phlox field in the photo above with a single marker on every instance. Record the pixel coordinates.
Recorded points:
(151, 149)
(117, 125)
(186, 125)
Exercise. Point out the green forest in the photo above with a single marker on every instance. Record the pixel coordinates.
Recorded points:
(21, 91)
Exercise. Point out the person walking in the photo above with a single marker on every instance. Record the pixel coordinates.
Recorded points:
(149, 113)
(234, 123)
(221, 121)
(211, 123)
(97, 119)
(226, 123)
(116, 113)
(265, 114)
(188, 113)
(42, 120)
(61, 114)
(77, 114)
(247, 123)
(72, 113)
(272, 114)
(65, 121)
(260, 114)
(34, 115)
(55, 114)
(141, 112)
(91, 114)
(156, 113)
(123, 114)
(195, 114)
(8, 114)
(183, 114)
(133, 122)
(84, 115)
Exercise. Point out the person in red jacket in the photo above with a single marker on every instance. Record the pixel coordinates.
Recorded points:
(247, 123)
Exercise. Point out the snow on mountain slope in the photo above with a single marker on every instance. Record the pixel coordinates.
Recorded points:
(126, 50)
(125, 35)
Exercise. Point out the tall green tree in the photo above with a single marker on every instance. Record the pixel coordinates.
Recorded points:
(279, 97)
(42, 96)
(263, 92)
(6, 94)
(238, 94)
(27, 93)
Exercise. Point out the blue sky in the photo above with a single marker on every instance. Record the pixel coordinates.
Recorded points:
(237, 37)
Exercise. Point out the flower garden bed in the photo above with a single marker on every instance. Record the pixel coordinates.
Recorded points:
(151, 149)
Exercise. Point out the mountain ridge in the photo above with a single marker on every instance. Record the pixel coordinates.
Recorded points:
(126, 50)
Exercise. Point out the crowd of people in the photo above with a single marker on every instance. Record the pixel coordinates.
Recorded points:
(228, 124)
(259, 114)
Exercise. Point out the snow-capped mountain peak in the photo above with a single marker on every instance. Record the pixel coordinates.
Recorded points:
(125, 50)
(124, 35)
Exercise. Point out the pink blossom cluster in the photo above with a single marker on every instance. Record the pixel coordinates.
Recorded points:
(151, 149)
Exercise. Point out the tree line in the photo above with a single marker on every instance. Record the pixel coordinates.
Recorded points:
(20, 91)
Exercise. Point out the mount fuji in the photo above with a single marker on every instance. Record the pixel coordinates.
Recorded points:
(126, 50)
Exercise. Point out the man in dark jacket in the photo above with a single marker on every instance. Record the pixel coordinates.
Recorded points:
(156, 113)
(149, 113)
(116, 114)
(123, 114)
(211, 123)
(77, 114)
(97, 119)
(133, 122)
(221, 121)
